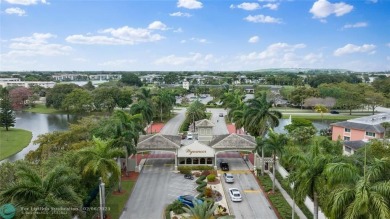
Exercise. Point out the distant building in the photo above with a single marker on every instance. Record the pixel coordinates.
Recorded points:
(9, 79)
(186, 85)
(356, 132)
(151, 79)
(27, 84)
(70, 77)
(105, 77)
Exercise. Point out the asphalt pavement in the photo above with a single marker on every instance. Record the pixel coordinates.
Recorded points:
(173, 125)
(220, 124)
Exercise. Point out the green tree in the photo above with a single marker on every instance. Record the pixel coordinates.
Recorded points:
(319, 108)
(105, 98)
(258, 118)
(89, 86)
(7, 118)
(171, 78)
(359, 196)
(299, 94)
(56, 95)
(124, 98)
(131, 79)
(195, 111)
(98, 160)
(386, 126)
(143, 108)
(374, 100)
(54, 191)
(307, 175)
(275, 143)
(78, 101)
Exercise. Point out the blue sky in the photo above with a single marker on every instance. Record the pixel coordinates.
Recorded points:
(181, 35)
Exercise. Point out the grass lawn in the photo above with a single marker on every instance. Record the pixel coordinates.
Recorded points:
(41, 108)
(13, 141)
(116, 203)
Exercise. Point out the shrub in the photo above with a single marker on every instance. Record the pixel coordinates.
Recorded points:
(208, 192)
(211, 178)
(177, 207)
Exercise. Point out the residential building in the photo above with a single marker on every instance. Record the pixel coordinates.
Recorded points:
(355, 132)
(186, 85)
(27, 84)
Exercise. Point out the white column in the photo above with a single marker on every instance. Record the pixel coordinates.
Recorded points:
(176, 160)
(255, 163)
(215, 161)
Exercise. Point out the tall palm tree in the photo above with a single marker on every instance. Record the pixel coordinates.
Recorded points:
(258, 118)
(53, 191)
(275, 143)
(99, 160)
(145, 109)
(144, 94)
(205, 210)
(359, 196)
(196, 111)
(307, 175)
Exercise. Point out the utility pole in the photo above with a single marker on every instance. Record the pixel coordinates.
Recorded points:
(102, 198)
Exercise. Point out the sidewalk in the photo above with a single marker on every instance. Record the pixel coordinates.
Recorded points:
(286, 196)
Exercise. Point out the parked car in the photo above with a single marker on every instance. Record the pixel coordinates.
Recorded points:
(228, 177)
(188, 176)
(235, 195)
(334, 112)
(190, 136)
(224, 166)
(221, 115)
(188, 200)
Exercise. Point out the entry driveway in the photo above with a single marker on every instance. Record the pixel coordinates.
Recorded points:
(254, 203)
(156, 187)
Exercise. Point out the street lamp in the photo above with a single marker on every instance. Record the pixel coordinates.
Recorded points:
(102, 198)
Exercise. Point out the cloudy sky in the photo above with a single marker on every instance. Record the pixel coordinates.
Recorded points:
(180, 35)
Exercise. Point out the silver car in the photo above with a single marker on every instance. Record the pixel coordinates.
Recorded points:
(228, 177)
(235, 195)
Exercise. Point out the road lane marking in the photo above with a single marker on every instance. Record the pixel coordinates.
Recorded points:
(252, 191)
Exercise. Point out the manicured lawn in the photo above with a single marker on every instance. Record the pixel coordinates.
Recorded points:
(13, 141)
(41, 108)
(116, 203)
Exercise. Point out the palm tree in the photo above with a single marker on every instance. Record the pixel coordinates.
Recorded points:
(165, 101)
(53, 191)
(99, 160)
(258, 118)
(385, 125)
(307, 175)
(205, 210)
(144, 94)
(359, 196)
(196, 111)
(275, 143)
(145, 109)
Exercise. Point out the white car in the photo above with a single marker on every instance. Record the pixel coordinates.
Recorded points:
(228, 177)
(235, 195)
(190, 136)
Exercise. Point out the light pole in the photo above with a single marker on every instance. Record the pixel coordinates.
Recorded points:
(102, 198)
(151, 127)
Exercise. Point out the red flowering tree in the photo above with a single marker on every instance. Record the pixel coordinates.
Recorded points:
(19, 96)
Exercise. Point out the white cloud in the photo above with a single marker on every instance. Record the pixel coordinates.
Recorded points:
(34, 45)
(271, 6)
(157, 25)
(388, 45)
(262, 19)
(120, 36)
(189, 4)
(249, 6)
(351, 48)
(193, 59)
(373, 1)
(17, 11)
(322, 9)
(26, 2)
(183, 41)
(254, 39)
(118, 63)
(80, 60)
(199, 40)
(356, 25)
(280, 55)
(178, 30)
(180, 14)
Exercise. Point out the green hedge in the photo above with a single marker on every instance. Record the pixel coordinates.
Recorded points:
(276, 198)
(286, 186)
(211, 178)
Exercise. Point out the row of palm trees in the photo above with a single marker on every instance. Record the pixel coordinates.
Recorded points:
(343, 186)
(254, 115)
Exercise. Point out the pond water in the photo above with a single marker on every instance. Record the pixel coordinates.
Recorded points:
(317, 124)
(38, 124)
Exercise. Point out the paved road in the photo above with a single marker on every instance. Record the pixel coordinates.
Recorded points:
(173, 125)
(220, 126)
(156, 187)
(254, 204)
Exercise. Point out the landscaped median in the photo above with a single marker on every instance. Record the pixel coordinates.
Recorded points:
(13, 141)
(277, 200)
(116, 201)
